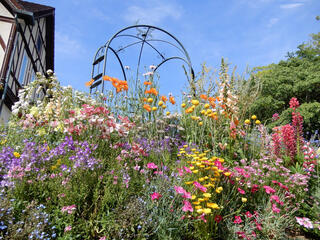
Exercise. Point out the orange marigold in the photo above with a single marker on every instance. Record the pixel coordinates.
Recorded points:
(147, 83)
(89, 83)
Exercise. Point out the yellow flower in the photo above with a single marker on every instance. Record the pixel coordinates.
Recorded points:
(53, 167)
(193, 197)
(154, 108)
(219, 189)
(200, 211)
(167, 113)
(196, 203)
(16, 154)
(207, 210)
(207, 195)
(207, 105)
(160, 103)
(247, 121)
(195, 171)
(189, 183)
(213, 205)
(244, 200)
(227, 174)
(3, 141)
(258, 122)
(253, 117)
(164, 106)
(209, 111)
(195, 102)
(203, 111)
(183, 105)
(200, 123)
(150, 100)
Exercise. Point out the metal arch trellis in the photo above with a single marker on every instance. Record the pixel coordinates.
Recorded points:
(142, 37)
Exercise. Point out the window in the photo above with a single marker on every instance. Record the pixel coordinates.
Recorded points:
(23, 68)
(39, 44)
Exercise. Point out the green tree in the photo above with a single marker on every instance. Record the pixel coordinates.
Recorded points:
(297, 76)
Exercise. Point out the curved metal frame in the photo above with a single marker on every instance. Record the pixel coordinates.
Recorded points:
(98, 58)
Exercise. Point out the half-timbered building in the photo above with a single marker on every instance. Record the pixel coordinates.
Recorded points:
(26, 47)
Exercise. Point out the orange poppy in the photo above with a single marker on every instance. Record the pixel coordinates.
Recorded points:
(211, 99)
(171, 99)
(147, 83)
(147, 107)
(89, 83)
(203, 96)
(164, 98)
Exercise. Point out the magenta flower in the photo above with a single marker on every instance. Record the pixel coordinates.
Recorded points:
(269, 190)
(241, 191)
(275, 209)
(184, 193)
(199, 186)
(254, 188)
(187, 169)
(152, 166)
(155, 196)
(237, 219)
(276, 199)
(187, 206)
(248, 214)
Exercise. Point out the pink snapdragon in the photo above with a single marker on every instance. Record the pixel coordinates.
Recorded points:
(187, 206)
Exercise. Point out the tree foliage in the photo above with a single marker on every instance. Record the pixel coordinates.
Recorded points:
(297, 76)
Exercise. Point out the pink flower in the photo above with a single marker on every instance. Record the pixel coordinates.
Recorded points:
(254, 188)
(67, 228)
(269, 190)
(184, 193)
(103, 238)
(275, 209)
(152, 166)
(155, 196)
(187, 169)
(241, 191)
(203, 217)
(241, 235)
(304, 222)
(237, 219)
(276, 198)
(187, 206)
(199, 186)
(180, 172)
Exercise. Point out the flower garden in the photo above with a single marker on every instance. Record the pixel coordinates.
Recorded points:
(152, 166)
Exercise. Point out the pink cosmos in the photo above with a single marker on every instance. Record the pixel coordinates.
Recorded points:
(241, 191)
(237, 219)
(155, 196)
(152, 166)
(269, 190)
(187, 206)
(275, 209)
(199, 186)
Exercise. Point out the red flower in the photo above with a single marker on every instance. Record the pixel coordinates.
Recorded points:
(155, 196)
(237, 219)
(218, 218)
(248, 214)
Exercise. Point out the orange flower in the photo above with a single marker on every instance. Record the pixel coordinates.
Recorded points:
(147, 107)
(203, 96)
(171, 99)
(164, 98)
(145, 99)
(107, 78)
(147, 83)
(89, 83)
(120, 85)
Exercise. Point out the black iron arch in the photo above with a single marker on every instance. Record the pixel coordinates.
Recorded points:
(141, 38)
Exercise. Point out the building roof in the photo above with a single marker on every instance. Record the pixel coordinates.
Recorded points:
(37, 9)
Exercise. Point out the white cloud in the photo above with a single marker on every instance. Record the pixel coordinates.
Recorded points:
(66, 45)
(291, 5)
(153, 14)
(272, 21)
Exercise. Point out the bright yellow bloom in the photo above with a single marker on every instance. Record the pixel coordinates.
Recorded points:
(219, 189)
(227, 174)
(189, 183)
(209, 111)
(195, 102)
(247, 121)
(196, 203)
(244, 200)
(213, 205)
(164, 106)
(160, 103)
(154, 108)
(207, 105)
(203, 111)
(195, 171)
(253, 117)
(207, 210)
(200, 123)
(207, 195)
(258, 122)
(53, 167)
(200, 211)
(150, 100)
(167, 113)
(16, 154)
(183, 105)
(193, 197)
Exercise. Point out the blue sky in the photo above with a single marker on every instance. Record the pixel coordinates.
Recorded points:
(245, 32)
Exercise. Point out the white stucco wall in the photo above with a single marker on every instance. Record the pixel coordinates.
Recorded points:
(5, 115)
(4, 12)
(5, 29)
